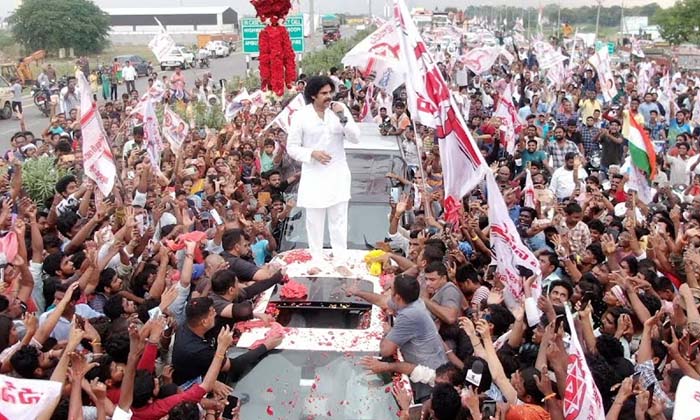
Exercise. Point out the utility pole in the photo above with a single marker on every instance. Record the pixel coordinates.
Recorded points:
(311, 15)
(597, 17)
(559, 20)
(622, 20)
(370, 8)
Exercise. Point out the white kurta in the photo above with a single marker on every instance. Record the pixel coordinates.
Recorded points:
(321, 186)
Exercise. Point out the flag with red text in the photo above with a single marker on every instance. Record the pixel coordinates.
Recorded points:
(175, 129)
(511, 254)
(98, 161)
(582, 399)
(27, 399)
(366, 111)
(431, 104)
(378, 54)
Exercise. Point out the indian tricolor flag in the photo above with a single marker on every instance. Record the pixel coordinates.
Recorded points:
(643, 156)
(641, 148)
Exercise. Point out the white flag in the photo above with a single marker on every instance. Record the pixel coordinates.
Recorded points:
(638, 182)
(582, 398)
(27, 399)
(431, 104)
(284, 118)
(687, 401)
(601, 61)
(98, 161)
(510, 120)
(529, 191)
(379, 54)
(151, 135)
(366, 111)
(175, 129)
(162, 43)
(481, 59)
(236, 105)
(511, 254)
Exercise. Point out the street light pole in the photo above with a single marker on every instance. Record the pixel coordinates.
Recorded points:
(597, 17)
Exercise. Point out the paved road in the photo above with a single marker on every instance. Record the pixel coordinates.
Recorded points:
(221, 68)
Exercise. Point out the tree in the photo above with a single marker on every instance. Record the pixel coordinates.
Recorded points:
(679, 23)
(54, 24)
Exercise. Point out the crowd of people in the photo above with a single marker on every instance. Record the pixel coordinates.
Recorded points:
(129, 301)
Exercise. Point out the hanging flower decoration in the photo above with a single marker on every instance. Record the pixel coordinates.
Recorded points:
(276, 60)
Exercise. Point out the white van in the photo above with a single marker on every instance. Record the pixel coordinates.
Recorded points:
(177, 57)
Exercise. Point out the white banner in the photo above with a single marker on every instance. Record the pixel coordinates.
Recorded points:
(511, 254)
(582, 399)
(98, 161)
(529, 191)
(687, 403)
(379, 54)
(284, 118)
(480, 60)
(547, 56)
(175, 129)
(162, 43)
(431, 104)
(601, 61)
(26, 399)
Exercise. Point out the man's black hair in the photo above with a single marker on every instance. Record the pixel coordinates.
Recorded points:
(65, 223)
(407, 287)
(198, 308)
(452, 372)
(25, 361)
(106, 278)
(501, 318)
(143, 388)
(117, 346)
(314, 84)
(222, 280)
(467, 273)
(436, 267)
(62, 184)
(609, 347)
(230, 238)
(114, 308)
(563, 283)
(184, 411)
(52, 263)
(446, 403)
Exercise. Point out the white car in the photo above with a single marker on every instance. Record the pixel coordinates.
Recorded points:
(177, 57)
(315, 371)
(218, 49)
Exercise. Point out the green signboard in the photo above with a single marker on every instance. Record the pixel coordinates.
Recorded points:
(610, 45)
(251, 27)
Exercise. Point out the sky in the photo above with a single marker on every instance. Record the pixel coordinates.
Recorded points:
(330, 6)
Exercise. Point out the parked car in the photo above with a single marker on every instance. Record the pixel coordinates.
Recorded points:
(177, 57)
(218, 48)
(142, 66)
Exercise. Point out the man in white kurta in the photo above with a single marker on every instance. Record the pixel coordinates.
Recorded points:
(316, 138)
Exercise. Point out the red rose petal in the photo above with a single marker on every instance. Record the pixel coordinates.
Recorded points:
(293, 290)
(269, 389)
(270, 411)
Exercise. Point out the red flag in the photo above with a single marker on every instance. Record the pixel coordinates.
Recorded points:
(432, 105)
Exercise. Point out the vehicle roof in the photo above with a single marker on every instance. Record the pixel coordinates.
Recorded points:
(370, 139)
(324, 339)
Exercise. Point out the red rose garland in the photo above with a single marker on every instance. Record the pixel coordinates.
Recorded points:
(277, 61)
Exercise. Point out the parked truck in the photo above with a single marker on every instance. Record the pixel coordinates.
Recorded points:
(331, 29)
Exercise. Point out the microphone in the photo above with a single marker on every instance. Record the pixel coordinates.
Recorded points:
(340, 114)
(474, 374)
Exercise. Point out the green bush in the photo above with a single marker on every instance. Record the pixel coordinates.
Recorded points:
(39, 177)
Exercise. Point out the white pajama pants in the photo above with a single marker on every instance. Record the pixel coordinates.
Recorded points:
(337, 227)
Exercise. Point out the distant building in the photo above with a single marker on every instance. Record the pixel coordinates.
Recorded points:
(137, 25)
